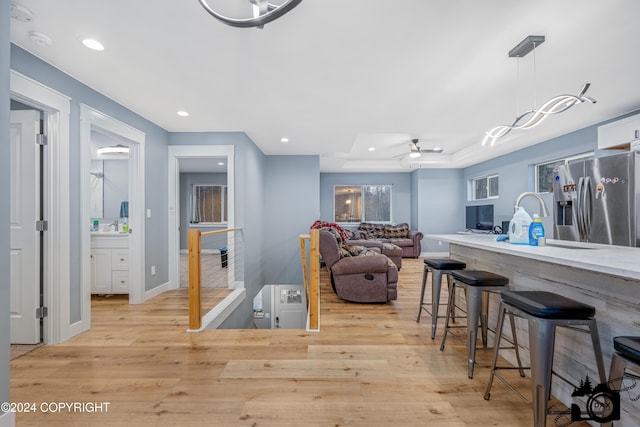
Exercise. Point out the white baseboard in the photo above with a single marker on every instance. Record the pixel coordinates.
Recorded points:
(8, 419)
(156, 291)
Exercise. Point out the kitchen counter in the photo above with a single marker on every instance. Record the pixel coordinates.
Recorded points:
(620, 261)
(603, 276)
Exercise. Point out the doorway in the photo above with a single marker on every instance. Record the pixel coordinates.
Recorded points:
(57, 292)
(98, 129)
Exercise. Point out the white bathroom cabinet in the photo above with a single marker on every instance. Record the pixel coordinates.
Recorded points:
(109, 263)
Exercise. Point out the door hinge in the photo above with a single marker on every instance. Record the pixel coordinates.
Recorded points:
(41, 139)
(42, 225)
(42, 312)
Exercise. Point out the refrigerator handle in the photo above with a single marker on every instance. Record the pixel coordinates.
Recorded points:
(588, 208)
(579, 210)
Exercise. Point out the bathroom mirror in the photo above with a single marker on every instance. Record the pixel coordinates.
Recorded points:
(109, 180)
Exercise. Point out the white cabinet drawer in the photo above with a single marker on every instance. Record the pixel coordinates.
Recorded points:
(120, 282)
(119, 259)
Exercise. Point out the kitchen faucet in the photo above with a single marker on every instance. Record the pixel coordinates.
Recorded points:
(544, 211)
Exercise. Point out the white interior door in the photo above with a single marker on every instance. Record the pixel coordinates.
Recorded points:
(25, 240)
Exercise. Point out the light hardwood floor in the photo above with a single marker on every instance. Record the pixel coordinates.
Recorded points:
(371, 365)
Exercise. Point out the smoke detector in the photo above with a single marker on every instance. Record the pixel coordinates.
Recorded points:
(21, 13)
(40, 39)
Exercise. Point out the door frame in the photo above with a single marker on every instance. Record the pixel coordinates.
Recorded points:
(176, 152)
(56, 263)
(91, 118)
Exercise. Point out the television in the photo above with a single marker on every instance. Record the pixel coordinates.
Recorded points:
(479, 217)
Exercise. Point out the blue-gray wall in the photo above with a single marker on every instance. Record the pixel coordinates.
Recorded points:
(516, 169)
(4, 203)
(401, 182)
(186, 181)
(249, 204)
(156, 166)
(437, 203)
(292, 197)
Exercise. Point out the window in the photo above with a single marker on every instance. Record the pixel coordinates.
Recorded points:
(362, 203)
(544, 171)
(483, 188)
(208, 203)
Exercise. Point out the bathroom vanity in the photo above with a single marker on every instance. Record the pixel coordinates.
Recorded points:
(109, 263)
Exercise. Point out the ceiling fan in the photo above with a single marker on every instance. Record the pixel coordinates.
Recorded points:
(415, 151)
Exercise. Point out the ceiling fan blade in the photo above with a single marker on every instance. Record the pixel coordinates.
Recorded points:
(431, 150)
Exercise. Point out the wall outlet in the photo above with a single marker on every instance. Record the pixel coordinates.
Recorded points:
(148, 213)
(153, 270)
(440, 242)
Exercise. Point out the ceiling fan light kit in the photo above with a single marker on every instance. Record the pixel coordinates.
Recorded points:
(534, 117)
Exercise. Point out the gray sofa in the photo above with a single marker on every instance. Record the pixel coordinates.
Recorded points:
(373, 235)
(368, 277)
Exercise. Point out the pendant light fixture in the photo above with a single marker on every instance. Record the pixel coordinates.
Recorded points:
(534, 117)
(263, 13)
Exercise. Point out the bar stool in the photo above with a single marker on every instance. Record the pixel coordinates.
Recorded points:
(544, 311)
(476, 283)
(438, 268)
(627, 355)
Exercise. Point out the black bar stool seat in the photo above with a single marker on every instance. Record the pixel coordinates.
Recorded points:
(626, 357)
(476, 285)
(628, 347)
(479, 278)
(445, 264)
(548, 305)
(544, 311)
(438, 267)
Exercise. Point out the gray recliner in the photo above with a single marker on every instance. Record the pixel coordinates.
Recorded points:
(369, 277)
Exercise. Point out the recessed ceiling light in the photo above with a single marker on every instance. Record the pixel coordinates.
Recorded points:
(182, 113)
(93, 44)
(372, 148)
(220, 163)
(285, 139)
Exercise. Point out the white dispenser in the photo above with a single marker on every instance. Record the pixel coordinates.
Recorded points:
(519, 227)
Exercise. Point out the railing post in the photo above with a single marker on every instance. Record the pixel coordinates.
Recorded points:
(314, 279)
(195, 279)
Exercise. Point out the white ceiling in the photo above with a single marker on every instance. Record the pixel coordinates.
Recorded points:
(338, 77)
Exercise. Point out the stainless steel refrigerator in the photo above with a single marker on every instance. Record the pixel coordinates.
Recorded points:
(597, 200)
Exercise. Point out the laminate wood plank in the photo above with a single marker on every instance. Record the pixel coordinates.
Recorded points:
(370, 365)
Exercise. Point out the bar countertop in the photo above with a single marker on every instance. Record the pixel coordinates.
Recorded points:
(620, 261)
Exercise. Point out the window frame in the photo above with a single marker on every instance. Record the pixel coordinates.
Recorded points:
(362, 204)
(471, 187)
(536, 166)
(224, 214)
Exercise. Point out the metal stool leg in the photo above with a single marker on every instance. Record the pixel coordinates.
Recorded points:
(496, 345)
(541, 345)
(424, 285)
(474, 307)
(597, 350)
(436, 286)
(496, 352)
(451, 302)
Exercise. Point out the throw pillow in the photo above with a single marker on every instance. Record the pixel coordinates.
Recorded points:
(399, 231)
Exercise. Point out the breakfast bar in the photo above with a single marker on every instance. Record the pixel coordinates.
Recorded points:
(603, 276)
